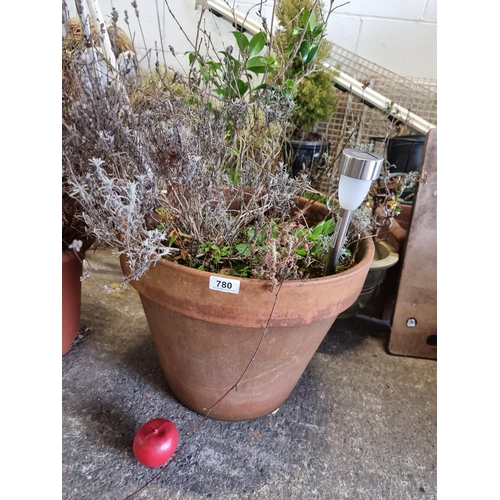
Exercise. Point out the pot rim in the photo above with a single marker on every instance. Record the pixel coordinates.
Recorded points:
(389, 259)
(183, 290)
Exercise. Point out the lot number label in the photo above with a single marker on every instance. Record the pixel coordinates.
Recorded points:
(224, 284)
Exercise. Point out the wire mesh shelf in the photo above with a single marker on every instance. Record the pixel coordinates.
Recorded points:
(418, 95)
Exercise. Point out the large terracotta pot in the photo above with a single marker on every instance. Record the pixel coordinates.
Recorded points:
(205, 338)
(71, 298)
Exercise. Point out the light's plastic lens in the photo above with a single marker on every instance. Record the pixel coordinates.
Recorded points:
(352, 192)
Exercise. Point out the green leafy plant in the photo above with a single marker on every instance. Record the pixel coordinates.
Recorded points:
(292, 242)
(231, 76)
(300, 41)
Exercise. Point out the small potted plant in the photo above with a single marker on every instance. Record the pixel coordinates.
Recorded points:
(183, 175)
(301, 46)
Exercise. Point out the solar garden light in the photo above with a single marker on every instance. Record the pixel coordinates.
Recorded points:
(358, 169)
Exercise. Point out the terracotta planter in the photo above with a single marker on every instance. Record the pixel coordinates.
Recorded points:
(71, 298)
(205, 338)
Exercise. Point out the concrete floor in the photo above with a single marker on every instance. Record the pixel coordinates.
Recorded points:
(360, 424)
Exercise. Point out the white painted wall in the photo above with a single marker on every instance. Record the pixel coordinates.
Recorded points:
(399, 35)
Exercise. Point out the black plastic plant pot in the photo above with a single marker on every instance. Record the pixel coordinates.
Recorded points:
(405, 152)
(302, 155)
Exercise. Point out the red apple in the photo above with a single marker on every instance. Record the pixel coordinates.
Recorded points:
(155, 442)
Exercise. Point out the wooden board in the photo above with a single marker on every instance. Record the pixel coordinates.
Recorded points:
(414, 323)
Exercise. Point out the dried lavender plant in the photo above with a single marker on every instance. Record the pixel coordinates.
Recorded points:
(170, 164)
